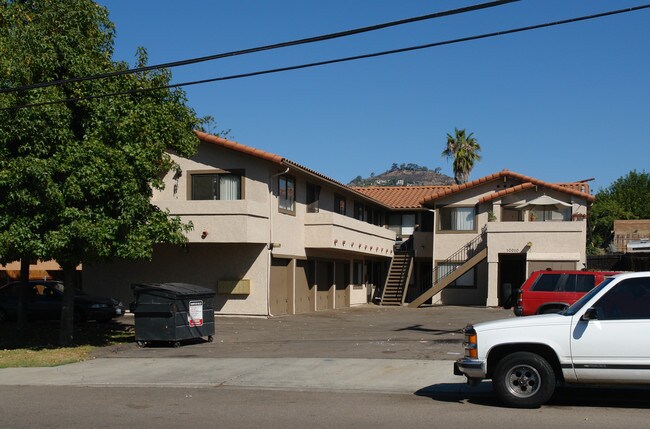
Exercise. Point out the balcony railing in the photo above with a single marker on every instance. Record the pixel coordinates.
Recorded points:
(327, 230)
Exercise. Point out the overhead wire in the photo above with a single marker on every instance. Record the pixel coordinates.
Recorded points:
(297, 42)
(339, 60)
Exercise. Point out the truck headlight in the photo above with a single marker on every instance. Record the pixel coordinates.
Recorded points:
(471, 343)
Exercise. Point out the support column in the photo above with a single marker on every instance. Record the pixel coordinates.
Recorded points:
(493, 284)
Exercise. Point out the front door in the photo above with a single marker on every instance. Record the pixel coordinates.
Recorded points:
(304, 289)
(342, 298)
(512, 274)
(280, 286)
(325, 280)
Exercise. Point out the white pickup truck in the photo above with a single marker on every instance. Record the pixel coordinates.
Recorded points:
(601, 339)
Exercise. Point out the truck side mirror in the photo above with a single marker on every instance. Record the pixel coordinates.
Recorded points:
(592, 313)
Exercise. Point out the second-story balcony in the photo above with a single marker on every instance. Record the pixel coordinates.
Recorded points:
(236, 221)
(328, 230)
(539, 240)
(535, 227)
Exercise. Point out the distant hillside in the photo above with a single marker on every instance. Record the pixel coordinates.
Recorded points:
(405, 175)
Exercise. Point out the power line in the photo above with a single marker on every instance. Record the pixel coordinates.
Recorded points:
(264, 48)
(338, 60)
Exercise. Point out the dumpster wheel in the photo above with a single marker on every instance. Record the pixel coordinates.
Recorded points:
(141, 343)
(210, 339)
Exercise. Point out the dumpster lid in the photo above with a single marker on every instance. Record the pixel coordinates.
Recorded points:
(173, 290)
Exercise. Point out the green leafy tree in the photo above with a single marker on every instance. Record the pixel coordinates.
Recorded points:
(464, 149)
(627, 198)
(77, 177)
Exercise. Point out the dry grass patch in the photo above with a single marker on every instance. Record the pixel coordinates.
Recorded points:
(37, 345)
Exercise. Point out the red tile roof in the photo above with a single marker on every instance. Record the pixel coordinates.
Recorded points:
(401, 197)
(414, 197)
(567, 188)
(577, 186)
(409, 197)
(219, 141)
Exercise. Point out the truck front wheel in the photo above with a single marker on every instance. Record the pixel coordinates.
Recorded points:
(523, 380)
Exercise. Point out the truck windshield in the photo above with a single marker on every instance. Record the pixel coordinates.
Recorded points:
(582, 301)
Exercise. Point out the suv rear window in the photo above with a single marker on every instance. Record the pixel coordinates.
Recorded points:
(546, 283)
(564, 283)
(583, 283)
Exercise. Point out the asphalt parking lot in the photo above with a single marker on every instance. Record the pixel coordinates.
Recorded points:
(366, 332)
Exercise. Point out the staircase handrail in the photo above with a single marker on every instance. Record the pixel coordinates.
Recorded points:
(461, 256)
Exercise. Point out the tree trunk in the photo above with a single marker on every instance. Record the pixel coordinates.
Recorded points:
(22, 295)
(66, 331)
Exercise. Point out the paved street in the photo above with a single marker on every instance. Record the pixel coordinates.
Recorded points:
(45, 407)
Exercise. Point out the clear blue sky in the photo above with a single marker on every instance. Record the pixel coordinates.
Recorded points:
(559, 104)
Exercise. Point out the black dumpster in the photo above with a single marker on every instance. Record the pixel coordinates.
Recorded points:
(172, 312)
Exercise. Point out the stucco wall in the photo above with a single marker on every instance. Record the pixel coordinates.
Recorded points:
(538, 240)
(203, 264)
(248, 220)
(467, 295)
(229, 240)
(358, 295)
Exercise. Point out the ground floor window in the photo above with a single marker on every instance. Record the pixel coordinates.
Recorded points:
(467, 280)
(357, 275)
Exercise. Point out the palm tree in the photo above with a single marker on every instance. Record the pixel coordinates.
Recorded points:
(464, 150)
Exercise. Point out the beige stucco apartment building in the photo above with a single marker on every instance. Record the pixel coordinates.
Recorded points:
(479, 241)
(269, 235)
(273, 237)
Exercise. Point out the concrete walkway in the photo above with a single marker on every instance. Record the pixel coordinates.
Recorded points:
(375, 375)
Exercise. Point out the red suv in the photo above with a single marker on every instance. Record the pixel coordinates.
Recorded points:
(552, 291)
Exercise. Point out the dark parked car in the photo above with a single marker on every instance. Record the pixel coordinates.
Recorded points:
(45, 298)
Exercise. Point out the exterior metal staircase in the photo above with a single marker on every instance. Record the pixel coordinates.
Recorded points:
(453, 267)
(398, 278)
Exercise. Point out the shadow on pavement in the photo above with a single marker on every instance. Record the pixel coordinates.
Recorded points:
(611, 397)
(420, 328)
(460, 392)
(170, 344)
(567, 396)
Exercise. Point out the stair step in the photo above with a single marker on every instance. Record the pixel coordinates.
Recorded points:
(394, 287)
